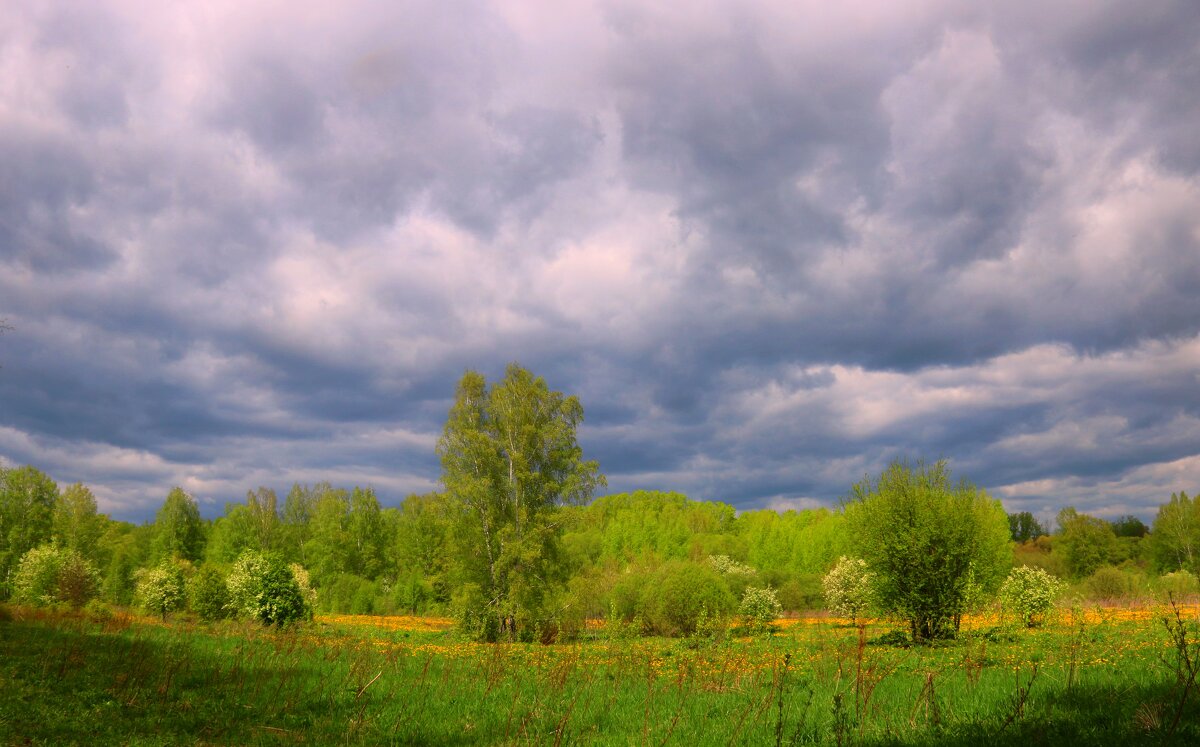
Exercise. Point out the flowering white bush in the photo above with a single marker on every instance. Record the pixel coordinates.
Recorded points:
(161, 590)
(848, 587)
(759, 608)
(1030, 593)
(51, 574)
(727, 566)
(262, 587)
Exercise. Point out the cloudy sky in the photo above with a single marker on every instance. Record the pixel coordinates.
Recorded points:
(770, 245)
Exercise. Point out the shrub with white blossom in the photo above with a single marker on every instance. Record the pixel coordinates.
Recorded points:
(264, 588)
(50, 574)
(848, 587)
(1030, 593)
(161, 589)
(759, 608)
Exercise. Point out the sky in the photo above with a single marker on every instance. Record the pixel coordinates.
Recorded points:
(771, 246)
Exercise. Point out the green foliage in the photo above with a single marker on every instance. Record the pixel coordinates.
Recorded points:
(470, 610)
(27, 499)
(178, 529)
(727, 566)
(793, 543)
(76, 524)
(1039, 554)
(161, 589)
(50, 574)
(347, 535)
(927, 541)
(78, 579)
(1024, 526)
(1030, 593)
(1085, 542)
(35, 580)
(420, 534)
(1175, 535)
(1108, 584)
(1178, 585)
(349, 594)
(1130, 526)
(848, 588)
(510, 460)
(759, 608)
(679, 593)
(230, 535)
(208, 596)
(263, 514)
(126, 548)
(262, 587)
(304, 582)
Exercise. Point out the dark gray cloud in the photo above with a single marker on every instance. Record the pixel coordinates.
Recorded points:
(771, 246)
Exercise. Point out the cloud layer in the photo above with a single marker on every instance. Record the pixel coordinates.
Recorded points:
(770, 245)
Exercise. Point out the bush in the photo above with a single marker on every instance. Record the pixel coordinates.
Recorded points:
(848, 588)
(348, 594)
(1179, 585)
(98, 611)
(469, 609)
(677, 595)
(803, 592)
(35, 581)
(759, 608)
(161, 589)
(1030, 593)
(262, 587)
(50, 575)
(627, 593)
(208, 594)
(935, 547)
(1109, 584)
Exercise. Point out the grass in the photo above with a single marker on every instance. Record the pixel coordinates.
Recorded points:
(1100, 676)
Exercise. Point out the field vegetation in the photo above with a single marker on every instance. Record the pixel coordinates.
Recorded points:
(1086, 676)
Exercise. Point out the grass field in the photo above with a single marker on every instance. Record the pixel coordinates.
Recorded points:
(1095, 676)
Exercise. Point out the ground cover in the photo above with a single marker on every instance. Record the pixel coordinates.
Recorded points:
(1088, 676)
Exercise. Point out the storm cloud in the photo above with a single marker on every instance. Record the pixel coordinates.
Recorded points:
(770, 245)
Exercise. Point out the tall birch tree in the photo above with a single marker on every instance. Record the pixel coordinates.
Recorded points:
(510, 460)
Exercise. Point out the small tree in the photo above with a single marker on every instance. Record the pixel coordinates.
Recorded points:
(1086, 542)
(682, 592)
(160, 589)
(262, 587)
(208, 595)
(759, 608)
(848, 588)
(1030, 593)
(927, 542)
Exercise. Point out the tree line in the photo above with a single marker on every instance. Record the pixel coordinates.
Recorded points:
(515, 544)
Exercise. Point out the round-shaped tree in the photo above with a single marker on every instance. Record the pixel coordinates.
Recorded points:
(759, 608)
(1030, 593)
(161, 589)
(930, 544)
(263, 587)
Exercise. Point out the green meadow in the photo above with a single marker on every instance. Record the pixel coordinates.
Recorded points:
(1086, 676)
